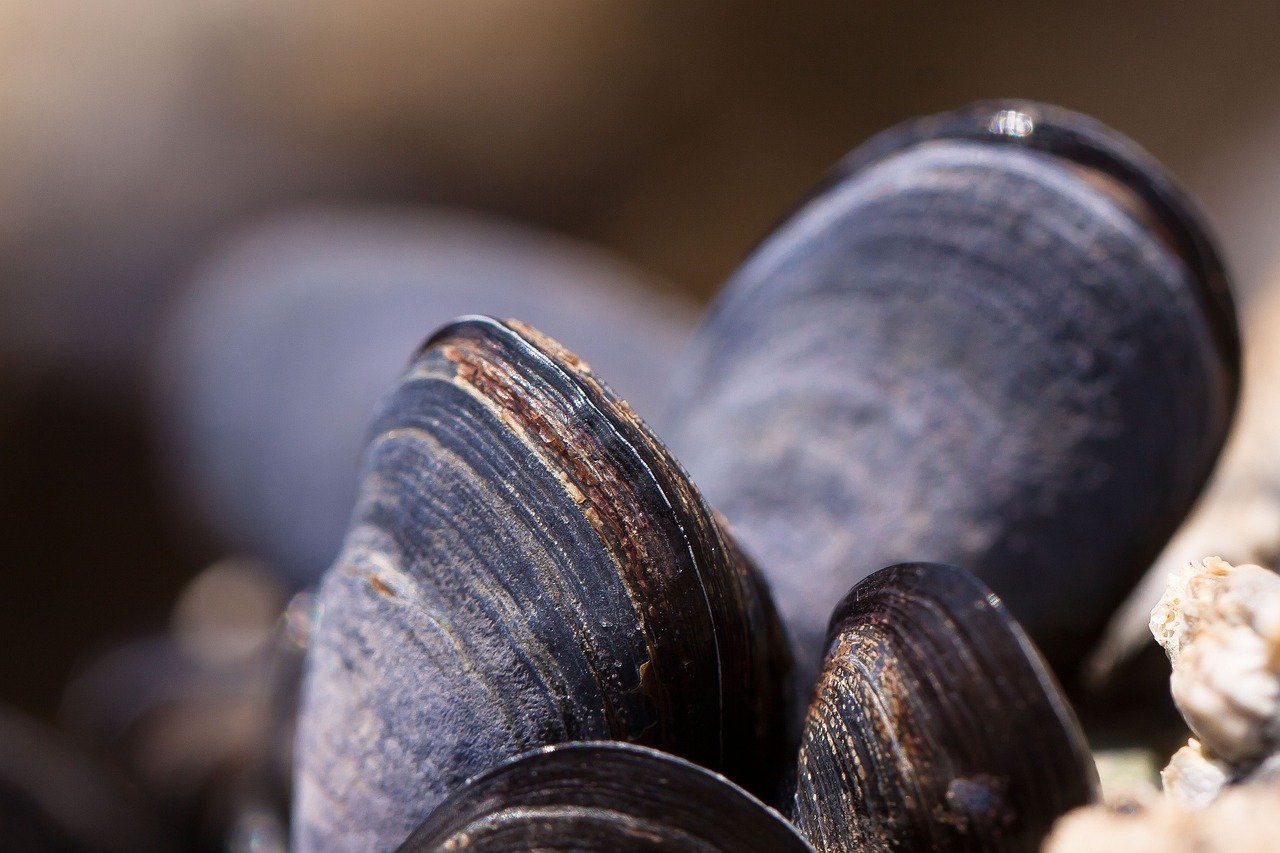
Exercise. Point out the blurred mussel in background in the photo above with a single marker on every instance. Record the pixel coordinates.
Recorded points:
(274, 362)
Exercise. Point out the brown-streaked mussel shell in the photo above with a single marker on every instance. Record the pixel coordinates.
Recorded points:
(603, 797)
(936, 725)
(526, 566)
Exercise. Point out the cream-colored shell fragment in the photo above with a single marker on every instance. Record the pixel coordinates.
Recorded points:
(1220, 626)
(1245, 819)
(1193, 779)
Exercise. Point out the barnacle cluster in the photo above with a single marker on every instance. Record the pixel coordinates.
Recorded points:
(1220, 626)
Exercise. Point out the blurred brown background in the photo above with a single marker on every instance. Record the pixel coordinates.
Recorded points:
(135, 135)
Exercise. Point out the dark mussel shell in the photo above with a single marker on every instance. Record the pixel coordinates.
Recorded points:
(527, 566)
(936, 724)
(605, 797)
(998, 338)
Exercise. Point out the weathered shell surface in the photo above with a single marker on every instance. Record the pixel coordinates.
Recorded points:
(605, 797)
(936, 725)
(527, 566)
(996, 338)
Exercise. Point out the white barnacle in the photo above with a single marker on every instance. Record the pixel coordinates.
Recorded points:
(1193, 779)
(1220, 626)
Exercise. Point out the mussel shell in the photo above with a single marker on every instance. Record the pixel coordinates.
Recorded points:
(1010, 352)
(603, 796)
(527, 566)
(1103, 156)
(936, 724)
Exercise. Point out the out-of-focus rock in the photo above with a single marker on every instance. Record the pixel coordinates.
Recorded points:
(1126, 774)
(228, 611)
(202, 716)
(55, 797)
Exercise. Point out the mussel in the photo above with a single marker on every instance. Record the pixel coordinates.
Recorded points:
(999, 338)
(936, 725)
(605, 797)
(527, 565)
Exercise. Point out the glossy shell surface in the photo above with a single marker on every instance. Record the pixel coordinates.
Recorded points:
(527, 566)
(603, 797)
(936, 725)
